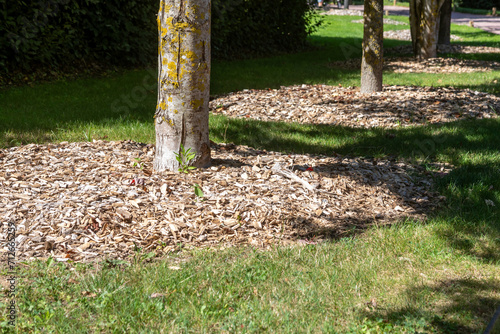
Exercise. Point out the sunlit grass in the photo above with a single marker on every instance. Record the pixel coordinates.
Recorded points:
(406, 276)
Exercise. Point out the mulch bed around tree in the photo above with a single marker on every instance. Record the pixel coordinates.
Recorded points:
(452, 48)
(405, 35)
(90, 201)
(395, 106)
(432, 65)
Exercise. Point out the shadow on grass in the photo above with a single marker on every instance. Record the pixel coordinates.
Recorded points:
(465, 306)
(472, 188)
(130, 94)
(473, 214)
(483, 38)
(472, 56)
(447, 141)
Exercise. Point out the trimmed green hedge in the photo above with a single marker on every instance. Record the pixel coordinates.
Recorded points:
(56, 34)
(479, 4)
(242, 27)
(472, 11)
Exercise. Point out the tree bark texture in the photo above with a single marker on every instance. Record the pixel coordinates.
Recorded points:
(430, 29)
(181, 116)
(415, 18)
(445, 23)
(424, 26)
(373, 37)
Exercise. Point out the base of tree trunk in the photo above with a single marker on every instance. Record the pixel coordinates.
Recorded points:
(373, 36)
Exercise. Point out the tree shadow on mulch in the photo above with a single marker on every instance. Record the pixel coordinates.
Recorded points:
(492, 87)
(363, 194)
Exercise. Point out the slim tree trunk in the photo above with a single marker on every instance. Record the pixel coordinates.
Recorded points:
(445, 23)
(415, 19)
(430, 29)
(373, 37)
(181, 116)
(346, 4)
(424, 25)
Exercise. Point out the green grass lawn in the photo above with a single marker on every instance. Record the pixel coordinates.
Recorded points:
(441, 276)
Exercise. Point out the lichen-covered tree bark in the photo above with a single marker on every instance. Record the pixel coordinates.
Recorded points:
(424, 24)
(373, 38)
(181, 116)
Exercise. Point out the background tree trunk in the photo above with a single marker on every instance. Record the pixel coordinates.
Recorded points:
(430, 29)
(424, 26)
(346, 4)
(415, 19)
(181, 116)
(445, 23)
(373, 37)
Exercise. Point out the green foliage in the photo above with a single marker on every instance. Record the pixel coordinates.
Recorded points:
(197, 190)
(473, 11)
(61, 33)
(68, 35)
(479, 4)
(184, 157)
(352, 285)
(249, 27)
(138, 163)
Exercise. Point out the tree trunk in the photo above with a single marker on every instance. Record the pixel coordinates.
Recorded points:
(424, 24)
(346, 4)
(373, 37)
(445, 23)
(181, 116)
(430, 29)
(415, 19)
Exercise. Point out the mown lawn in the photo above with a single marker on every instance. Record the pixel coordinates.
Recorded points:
(441, 276)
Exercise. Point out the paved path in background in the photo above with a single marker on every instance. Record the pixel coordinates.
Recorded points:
(484, 22)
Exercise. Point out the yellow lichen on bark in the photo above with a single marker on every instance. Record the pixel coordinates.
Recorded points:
(184, 60)
(197, 103)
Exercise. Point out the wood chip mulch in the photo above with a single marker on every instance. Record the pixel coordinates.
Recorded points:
(405, 35)
(453, 48)
(396, 106)
(386, 21)
(92, 201)
(432, 65)
(341, 12)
